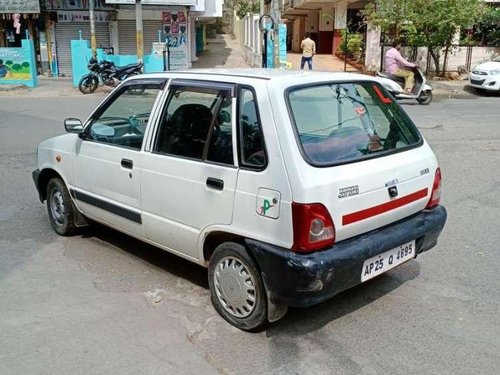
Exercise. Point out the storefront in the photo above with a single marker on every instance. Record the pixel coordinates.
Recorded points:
(17, 20)
(70, 20)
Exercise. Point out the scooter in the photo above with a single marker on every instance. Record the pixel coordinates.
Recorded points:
(421, 91)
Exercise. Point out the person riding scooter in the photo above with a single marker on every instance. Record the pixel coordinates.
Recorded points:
(395, 65)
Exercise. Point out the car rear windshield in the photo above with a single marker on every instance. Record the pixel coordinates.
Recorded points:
(337, 123)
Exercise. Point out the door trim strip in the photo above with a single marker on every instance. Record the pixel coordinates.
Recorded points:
(111, 207)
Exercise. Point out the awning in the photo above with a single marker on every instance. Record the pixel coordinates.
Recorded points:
(20, 6)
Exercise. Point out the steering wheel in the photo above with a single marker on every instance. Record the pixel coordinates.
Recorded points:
(134, 125)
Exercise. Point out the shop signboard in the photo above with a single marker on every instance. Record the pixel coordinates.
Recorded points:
(154, 2)
(20, 6)
(75, 4)
(175, 27)
(82, 16)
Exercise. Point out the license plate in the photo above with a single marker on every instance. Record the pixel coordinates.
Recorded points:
(384, 262)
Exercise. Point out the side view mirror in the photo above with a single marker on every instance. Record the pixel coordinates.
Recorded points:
(73, 125)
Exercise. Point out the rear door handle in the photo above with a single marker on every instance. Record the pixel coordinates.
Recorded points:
(127, 163)
(215, 183)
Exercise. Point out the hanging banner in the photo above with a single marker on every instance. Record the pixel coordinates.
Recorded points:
(175, 28)
(19, 6)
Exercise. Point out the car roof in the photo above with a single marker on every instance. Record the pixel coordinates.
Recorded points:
(278, 77)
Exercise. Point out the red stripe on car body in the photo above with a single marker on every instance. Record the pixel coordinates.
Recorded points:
(384, 207)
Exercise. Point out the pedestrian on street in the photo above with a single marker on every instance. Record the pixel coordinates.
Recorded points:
(308, 51)
(396, 65)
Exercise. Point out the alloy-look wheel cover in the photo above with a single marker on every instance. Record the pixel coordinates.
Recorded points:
(235, 287)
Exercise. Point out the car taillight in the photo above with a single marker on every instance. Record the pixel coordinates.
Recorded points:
(313, 227)
(436, 191)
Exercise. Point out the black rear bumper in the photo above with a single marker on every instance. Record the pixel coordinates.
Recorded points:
(301, 280)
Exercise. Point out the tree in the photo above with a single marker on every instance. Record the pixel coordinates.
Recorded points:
(487, 31)
(26, 65)
(242, 7)
(17, 67)
(431, 24)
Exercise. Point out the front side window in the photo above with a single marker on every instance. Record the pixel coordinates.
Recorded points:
(124, 121)
(197, 124)
(344, 122)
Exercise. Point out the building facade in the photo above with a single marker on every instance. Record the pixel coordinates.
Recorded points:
(323, 20)
(52, 24)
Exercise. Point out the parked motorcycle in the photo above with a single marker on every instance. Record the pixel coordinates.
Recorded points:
(421, 91)
(107, 73)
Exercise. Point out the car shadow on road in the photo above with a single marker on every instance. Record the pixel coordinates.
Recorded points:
(298, 321)
(170, 263)
(301, 321)
(481, 93)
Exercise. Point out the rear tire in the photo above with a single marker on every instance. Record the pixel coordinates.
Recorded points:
(425, 97)
(238, 293)
(88, 84)
(60, 207)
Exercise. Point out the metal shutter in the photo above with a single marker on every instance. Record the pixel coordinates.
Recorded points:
(66, 31)
(127, 39)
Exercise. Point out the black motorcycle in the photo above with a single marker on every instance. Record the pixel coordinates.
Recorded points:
(107, 73)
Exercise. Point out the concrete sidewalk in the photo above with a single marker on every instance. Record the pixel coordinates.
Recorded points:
(49, 87)
(322, 63)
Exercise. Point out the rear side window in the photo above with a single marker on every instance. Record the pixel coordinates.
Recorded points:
(344, 122)
(252, 149)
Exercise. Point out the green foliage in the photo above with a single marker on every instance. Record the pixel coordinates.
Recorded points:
(17, 67)
(242, 7)
(9, 62)
(353, 45)
(487, 30)
(431, 24)
(26, 64)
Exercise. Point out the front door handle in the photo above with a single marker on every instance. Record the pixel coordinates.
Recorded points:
(215, 183)
(127, 163)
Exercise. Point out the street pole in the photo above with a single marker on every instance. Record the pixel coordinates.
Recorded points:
(138, 27)
(93, 43)
(276, 15)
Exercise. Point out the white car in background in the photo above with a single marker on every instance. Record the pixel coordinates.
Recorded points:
(486, 76)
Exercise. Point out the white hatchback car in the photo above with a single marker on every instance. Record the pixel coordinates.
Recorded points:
(290, 187)
(486, 76)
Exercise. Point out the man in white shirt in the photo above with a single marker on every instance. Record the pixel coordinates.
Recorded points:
(308, 51)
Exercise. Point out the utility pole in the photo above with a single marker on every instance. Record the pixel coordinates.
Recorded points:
(276, 15)
(93, 43)
(138, 27)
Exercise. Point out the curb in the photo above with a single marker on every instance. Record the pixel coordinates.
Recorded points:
(8, 88)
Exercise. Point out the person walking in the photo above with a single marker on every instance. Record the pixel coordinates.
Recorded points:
(308, 51)
(395, 65)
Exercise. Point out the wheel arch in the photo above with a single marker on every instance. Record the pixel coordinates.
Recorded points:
(44, 178)
(217, 237)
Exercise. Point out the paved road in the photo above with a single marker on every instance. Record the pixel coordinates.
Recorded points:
(105, 303)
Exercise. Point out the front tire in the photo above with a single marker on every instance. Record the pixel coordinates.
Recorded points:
(62, 212)
(88, 84)
(236, 286)
(425, 97)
